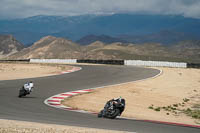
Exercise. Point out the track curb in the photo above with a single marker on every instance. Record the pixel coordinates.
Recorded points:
(74, 69)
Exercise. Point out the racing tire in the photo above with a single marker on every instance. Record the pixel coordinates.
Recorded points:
(21, 93)
(114, 115)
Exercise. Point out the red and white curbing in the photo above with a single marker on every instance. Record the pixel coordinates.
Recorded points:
(74, 69)
(55, 101)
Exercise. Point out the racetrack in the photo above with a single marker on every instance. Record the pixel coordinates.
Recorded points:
(32, 108)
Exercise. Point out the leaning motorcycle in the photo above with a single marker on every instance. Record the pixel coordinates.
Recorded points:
(112, 109)
(23, 92)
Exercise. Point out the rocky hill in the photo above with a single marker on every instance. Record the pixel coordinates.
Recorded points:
(165, 37)
(153, 51)
(50, 47)
(189, 49)
(9, 45)
(103, 38)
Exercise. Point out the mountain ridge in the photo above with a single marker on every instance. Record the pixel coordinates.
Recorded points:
(60, 48)
(29, 30)
(9, 45)
(50, 47)
(88, 39)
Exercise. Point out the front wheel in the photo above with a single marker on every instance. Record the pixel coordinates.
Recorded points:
(100, 114)
(114, 114)
(21, 93)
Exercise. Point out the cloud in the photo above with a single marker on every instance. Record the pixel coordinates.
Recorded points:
(25, 8)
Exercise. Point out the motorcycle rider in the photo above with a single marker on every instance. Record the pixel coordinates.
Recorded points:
(28, 87)
(109, 105)
(119, 100)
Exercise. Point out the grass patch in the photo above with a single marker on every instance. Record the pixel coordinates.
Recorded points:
(151, 107)
(193, 113)
(175, 105)
(186, 100)
(175, 109)
(157, 109)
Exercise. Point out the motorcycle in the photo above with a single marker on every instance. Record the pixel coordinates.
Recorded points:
(23, 92)
(112, 109)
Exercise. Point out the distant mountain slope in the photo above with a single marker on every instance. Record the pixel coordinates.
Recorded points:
(59, 48)
(9, 45)
(50, 47)
(165, 37)
(103, 38)
(93, 46)
(127, 51)
(189, 49)
(28, 30)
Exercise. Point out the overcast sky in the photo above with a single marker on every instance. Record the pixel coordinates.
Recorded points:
(27, 8)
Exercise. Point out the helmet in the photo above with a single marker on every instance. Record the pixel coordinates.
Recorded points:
(31, 84)
(118, 99)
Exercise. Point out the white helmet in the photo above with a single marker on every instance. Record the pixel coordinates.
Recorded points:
(31, 84)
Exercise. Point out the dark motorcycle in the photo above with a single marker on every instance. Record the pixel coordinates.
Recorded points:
(23, 92)
(112, 109)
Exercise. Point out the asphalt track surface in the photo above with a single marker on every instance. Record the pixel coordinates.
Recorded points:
(32, 108)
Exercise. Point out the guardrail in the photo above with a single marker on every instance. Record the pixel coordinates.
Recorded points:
(20, 60)
(53, 60)
(155, 63)
(113, 62)
(193, 65)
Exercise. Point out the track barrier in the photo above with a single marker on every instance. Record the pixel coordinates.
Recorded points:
(155, 63)
(53, 60)
(193, 65)
(113, 62)
(20, 60)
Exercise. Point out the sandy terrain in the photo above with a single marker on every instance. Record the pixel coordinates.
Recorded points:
(11, 126)
(9, 71)
(171, 87)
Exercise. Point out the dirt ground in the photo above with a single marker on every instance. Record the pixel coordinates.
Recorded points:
(9, 71)
(170, 88)
(11, 126)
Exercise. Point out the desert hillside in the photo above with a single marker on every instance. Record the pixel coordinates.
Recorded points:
(9, 45)
(52, 47)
